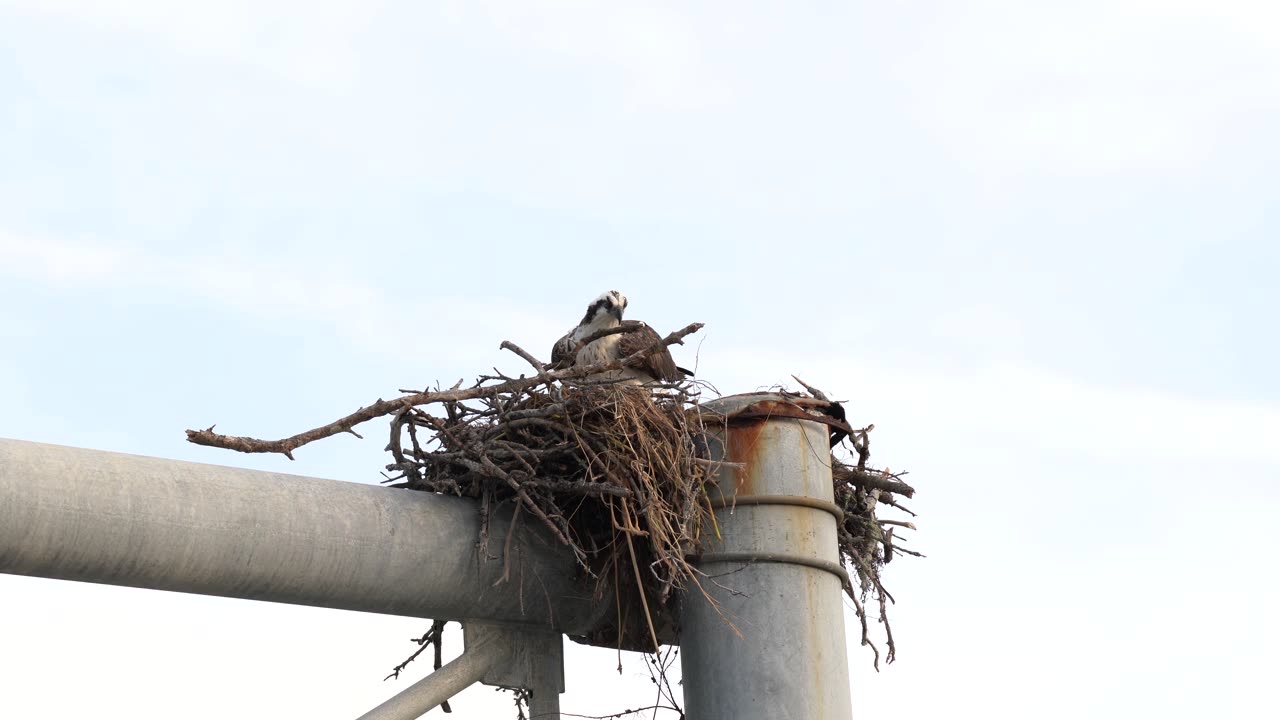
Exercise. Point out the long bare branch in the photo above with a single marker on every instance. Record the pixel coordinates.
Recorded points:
(286, 446)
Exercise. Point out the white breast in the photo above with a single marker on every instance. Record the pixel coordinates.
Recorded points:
(605, 350)
(602, 350)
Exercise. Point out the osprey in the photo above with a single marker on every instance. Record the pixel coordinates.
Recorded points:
(606, 312)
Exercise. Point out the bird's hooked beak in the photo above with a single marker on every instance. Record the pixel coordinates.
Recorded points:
(616, 311)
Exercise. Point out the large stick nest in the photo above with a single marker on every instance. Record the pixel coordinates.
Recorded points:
(619, 474)
(615, 472)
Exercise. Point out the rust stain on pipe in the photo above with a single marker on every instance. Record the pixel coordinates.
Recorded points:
(743, 447)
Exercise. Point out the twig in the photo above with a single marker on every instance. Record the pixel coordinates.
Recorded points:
(908, 525)
(635, 565)
(626, 326)
(812, 390)
(888, 500)
(867, 480)
(862, 618)
(537, 365)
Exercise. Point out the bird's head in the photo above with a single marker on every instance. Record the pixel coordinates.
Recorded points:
(608, 305)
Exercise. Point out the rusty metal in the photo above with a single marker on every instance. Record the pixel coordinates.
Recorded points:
(770, 643)
(770, 405)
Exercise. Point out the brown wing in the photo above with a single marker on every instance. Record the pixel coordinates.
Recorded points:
(560, 352)
(659, 363)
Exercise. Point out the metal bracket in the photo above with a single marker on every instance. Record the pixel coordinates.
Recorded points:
(536, 664)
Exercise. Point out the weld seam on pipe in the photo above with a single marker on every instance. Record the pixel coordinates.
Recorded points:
(729, 502)
(774, 557)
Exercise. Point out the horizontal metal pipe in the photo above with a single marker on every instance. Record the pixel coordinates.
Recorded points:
(118, 519)
(462, 672)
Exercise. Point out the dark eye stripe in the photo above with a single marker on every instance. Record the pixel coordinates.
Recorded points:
(591, 311)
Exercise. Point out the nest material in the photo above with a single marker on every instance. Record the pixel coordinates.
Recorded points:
(867, 542)
(613, 471)
(617, 473)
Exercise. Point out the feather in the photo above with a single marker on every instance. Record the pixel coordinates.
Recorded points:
(658, 364)
(561, 352)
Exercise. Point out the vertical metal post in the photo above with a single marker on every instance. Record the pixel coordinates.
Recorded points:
(544, 703)
(771, 643)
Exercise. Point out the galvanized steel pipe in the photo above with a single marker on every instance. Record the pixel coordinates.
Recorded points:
(457, 675)
(774, 648)
(105, 517)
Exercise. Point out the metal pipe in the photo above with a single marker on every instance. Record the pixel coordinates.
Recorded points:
(456, 676)
(544, 704)
(544, 700)
(104, 517)
(773, 646)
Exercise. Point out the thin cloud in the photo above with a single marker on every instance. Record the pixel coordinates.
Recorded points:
(62, 263)
(366, 314)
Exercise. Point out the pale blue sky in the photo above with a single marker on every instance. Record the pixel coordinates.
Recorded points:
(1035, 245)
